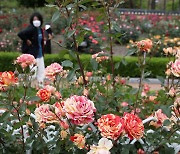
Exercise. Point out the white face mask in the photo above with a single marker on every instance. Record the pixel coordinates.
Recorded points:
(36, 23)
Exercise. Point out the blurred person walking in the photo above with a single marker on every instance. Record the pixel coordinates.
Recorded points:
(33, 43)
(47, 39)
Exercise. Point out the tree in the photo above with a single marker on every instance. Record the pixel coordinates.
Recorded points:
(32, 3)
(164, 4)
(131, 3)
(153, 4)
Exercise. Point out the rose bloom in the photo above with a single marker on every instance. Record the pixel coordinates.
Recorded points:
(7, 78)
(172, 92)
(124, 104)
(177, 107)
(104, 145)
(79, 140)
(111, 126)
(63, 134)
(50, 88)
(146, 88)
(59, 108)
(25, 60)
(44, 95)
(140, 151)
(145, 45)
(79, 110)
(89, 74)
(52, 70)
(133, 126)
(175, 68)
(99, 57)
(160, 116)
(44, 115)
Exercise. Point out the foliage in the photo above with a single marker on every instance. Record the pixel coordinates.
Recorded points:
(155, 65)
(32, 3)
(75, 111)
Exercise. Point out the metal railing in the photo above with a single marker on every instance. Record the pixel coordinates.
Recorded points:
(143, 12)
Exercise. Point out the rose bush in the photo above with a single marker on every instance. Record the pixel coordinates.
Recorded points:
(95, 112)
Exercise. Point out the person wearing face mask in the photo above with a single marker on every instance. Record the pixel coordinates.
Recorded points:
(33, 43)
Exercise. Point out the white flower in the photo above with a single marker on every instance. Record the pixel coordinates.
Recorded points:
(104, 145)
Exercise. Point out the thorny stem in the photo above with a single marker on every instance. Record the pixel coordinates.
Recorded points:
(19, 119)
(141, 81)
(22, 130)
(66, 118)
(76, 47)
(111, 47)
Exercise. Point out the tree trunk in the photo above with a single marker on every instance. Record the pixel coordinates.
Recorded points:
(153, 4)
(172, 5)
(149, 2)
(131, 4)
(140, 4)
(164, 5)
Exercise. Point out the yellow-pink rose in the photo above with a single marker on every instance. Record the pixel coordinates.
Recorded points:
(111, 126)
(78, 140)
(79, 109)
(133, 125)
(7, 78)
(145, 45)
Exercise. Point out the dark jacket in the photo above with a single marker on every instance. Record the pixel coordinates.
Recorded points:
(30, 33)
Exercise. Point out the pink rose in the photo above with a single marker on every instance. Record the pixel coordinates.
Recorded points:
(25, 60)
(175, 68)
(160, 116)
(52, 70)
(44, 115)
(79, 110)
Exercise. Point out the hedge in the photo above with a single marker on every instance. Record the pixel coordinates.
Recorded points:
(156, 65)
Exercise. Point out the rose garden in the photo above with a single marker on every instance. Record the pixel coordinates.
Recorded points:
(86, 104)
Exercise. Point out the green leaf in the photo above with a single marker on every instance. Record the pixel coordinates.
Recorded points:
(72, 54)
(4, 116)
(18, 125)
(166, 122)
(34, 99)
(70, 33)
(63, 52)
(124, 62)
(67, 63)
(94, 64)
(117, 65)
(82, 6)
(71, 75)
(130, 52)
(85, 1)
(55, 16)
(161, 79)
(166, 110)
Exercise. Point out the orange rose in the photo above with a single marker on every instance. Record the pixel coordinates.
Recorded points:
(145, 45)
(133, 126)
(111, 126)
(79, 140)
(7, 78)
(44, 95)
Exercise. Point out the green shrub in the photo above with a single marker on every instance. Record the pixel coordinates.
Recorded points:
(155, 65)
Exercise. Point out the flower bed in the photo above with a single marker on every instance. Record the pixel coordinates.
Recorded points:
(84, 105)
